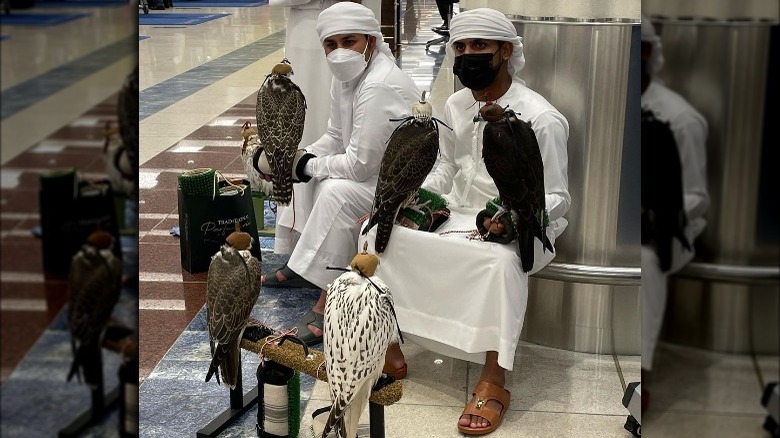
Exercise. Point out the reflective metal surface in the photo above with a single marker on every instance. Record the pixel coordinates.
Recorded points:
(562, 10)
(611, 276)
(721, 69)
(588, 300)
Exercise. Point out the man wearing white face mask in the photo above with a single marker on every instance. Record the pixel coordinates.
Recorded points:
(367, 91)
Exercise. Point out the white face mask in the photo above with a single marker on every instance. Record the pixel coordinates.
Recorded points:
(347, 64)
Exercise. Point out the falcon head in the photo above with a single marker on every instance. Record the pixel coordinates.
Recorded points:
(247, 131)
(422, 109)
(282, 69)
(240, 240)
(364, 263)
(100, 240)
(492, 112)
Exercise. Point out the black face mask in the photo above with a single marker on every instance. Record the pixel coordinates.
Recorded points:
(475, 70)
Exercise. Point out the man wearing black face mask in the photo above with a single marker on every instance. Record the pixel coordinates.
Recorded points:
(456, 296)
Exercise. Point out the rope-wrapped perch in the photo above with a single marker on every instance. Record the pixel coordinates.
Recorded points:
(292, 355)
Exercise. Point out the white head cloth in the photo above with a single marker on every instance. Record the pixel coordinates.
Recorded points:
(488, 24)
(349, 17)
(656, 60)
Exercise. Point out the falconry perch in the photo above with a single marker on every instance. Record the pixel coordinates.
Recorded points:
(409, 157)
(94, 284)
(232, 287)
(512, 158)
(281, 111)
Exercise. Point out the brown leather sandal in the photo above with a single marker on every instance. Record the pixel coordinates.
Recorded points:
(483, 393)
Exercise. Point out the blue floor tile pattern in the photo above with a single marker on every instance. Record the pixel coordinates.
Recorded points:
(17, 19)
(34, 90)
(168, 92)
(176, 401)
(37, 400)
(177, 19)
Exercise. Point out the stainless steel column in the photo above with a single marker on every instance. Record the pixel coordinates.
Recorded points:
(729, 300)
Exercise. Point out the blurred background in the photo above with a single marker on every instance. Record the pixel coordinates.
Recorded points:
(65, 173)
(717, 351)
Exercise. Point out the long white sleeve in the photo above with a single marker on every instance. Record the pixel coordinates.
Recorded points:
(690, 132)
(440, 180)
(375, 105)
(552, 134)
(331, 141)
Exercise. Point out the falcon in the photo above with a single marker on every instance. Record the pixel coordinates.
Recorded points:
(512, 158)
(281, 111)
(663, 208)
(94, 284)
(360, 325)
(409, 157)
(232, 287)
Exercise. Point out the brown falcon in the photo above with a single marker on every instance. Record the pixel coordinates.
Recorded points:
(512, 158)
(232, 287)
(409, 157)
(281, 111)
(94, 283)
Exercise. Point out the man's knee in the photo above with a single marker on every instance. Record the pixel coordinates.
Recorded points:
(343, 192)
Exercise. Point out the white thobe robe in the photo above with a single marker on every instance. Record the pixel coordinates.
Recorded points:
(347, 165)
(461, 297)
(690, 132)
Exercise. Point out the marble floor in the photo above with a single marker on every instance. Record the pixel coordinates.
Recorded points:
(58, 89)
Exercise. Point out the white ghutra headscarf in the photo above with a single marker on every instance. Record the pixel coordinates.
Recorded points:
(656, 61)
(349, 17)
(488, 24)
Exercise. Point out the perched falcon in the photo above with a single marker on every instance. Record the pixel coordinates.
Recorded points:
(360, 324)
(512, 158)
(409, 157)
(94, 283)
(232, 287)
(281, 111)
(663, 209)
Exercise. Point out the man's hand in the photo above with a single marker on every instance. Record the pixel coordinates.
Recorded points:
(500, 230)
(496, 228)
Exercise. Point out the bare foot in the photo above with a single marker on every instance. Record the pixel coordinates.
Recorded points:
(279, 276)
(394, 359)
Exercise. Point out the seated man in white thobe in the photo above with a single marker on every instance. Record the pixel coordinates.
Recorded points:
(367, 91)
(689, 130)
(462, 297)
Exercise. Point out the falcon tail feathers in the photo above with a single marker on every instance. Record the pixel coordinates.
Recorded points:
(282, 189)
(224, 361)
(86, 363)
(525, 240)
(230, 367)
(335, 422)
